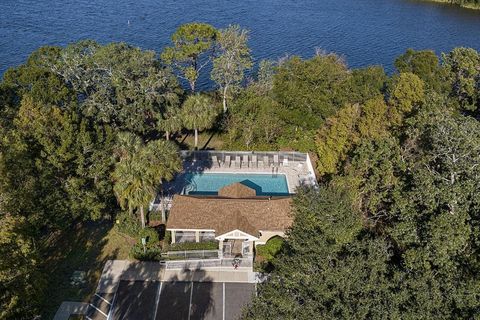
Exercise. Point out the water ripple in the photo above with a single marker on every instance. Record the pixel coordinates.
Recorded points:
(366, 32)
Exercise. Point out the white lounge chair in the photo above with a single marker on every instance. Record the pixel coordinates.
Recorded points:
(238, 163)
(215, 162)
(266, 162)
(245, 160)
(227, 162)
(275, 160)
(254, 161)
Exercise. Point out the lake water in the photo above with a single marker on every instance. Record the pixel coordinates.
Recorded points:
(364, 31)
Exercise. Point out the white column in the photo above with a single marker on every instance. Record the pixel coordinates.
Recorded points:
(220, 249)
(197, 236)
(173, 236)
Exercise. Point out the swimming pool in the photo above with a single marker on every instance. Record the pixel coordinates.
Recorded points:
(210, 183)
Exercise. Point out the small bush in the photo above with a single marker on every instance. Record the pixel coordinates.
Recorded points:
(187, 246)
(269, 250)
(151, 253)
(150, 235)
(155, 215)
(152, 250)
(128, 224)
(167, 239)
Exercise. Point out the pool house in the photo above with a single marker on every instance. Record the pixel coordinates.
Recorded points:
(237, 218)
(239, 199)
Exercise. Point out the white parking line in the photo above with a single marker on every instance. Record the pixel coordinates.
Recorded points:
(102, 298)
(110, 312)
(159, 292)
(91, 305)
(223, 301)
(190, 304)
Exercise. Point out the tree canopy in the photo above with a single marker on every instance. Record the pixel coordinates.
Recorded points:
(141, 169)
(192, 50)
(199, 113)
(392, 232)
(232, 61)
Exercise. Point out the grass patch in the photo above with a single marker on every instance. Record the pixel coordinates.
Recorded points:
(206, 140)
(85, 247)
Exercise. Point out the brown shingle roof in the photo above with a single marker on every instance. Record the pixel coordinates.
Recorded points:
(223, 215)
(237, 190)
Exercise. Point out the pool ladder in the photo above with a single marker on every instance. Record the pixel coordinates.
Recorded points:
(192, 186)
(274, 172)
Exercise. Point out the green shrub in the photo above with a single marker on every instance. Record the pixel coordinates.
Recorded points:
(155, 215)
(151, 253)
(152, 250)
(128, 224)
(187, 246)
(269, 250)
(150, 235)
(167, 239)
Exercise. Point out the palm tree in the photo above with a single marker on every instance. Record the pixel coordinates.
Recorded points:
(127, 144)
(138, 175)
(130, 187)
(171, 122)
(198, 113)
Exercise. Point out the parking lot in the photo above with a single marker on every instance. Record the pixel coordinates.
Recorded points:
(180, 300)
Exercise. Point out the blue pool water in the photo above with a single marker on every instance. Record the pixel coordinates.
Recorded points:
(210, 183)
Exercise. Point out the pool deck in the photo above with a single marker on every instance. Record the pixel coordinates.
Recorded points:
(295, 172)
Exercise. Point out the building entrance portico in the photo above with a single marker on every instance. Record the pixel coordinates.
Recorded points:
(236, 248)
(236, 244)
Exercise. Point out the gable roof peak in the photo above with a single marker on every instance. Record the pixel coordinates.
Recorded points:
(237, 190)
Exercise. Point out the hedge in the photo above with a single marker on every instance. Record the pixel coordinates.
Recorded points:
(269, 250)
(189, 246)
(152, 250)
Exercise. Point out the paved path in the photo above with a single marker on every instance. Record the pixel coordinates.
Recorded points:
(207, 275)
(68, 308)
(116, 270)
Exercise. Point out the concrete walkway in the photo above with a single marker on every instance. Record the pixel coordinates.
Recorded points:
(116, 270)
(68, 308)
(208, 275)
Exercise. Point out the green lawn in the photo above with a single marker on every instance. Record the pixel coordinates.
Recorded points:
(86, 247)
(206, 140)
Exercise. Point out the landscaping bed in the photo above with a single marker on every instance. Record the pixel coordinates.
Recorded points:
(188, 246)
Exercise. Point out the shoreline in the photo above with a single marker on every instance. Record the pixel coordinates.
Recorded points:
(464, 6)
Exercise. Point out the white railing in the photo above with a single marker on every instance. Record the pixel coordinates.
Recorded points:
(273, 156)
(156, 204)
(194, 254)
(208, 263)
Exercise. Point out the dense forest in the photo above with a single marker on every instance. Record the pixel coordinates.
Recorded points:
(393, 232)
(88, 130)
